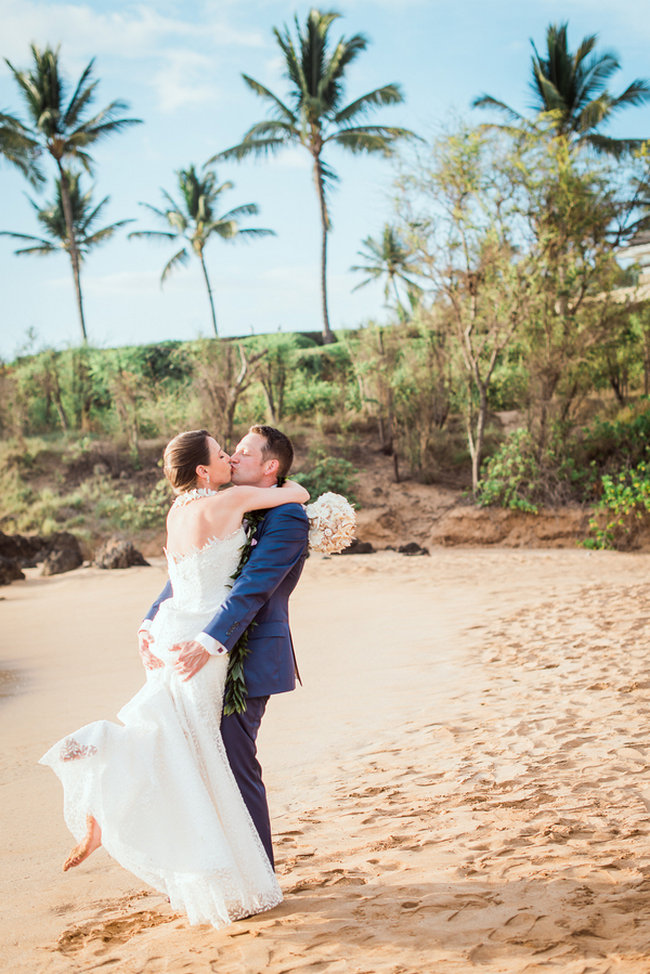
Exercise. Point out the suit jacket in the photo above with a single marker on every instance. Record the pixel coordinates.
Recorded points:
(261, 593)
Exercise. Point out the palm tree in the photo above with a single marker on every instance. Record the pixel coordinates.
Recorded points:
(194, 220)
(572, 88)
(389, 258)
(52, 218)
(58, 126)
(318, 117)
(18, 148)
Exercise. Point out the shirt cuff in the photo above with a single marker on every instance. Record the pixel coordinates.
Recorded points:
(145, 626)
(213, 646)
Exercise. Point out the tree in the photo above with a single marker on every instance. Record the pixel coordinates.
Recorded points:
(58, 127)
(575, 212)
(572, 88)
(316, 73)
(53, 220)
(460, 212)
(221, 373)
(194, 220)
(390, 258)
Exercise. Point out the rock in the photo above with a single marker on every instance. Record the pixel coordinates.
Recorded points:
(9, 570)
(63, 554)
(412, 548)
(60, 552)
(358, 548)
(24, 549)
(116, 553)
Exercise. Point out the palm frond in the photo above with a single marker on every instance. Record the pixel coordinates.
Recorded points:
(370, 138)
(21, 236)
(19, 148)
(284, 113)
(88, 215)
(614, 147)
(593, 113)
(179, 259)
(637, 93)
(256, 147)
(152, 234)
(249, 232)
(345, 52)
(487, 101)
(101, 236)
(292, 65)
(387, 95)
(43, 250)
(245, 209)
(154, 209)
(82, 96)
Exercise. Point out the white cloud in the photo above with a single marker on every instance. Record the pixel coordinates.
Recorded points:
(183, 80)
(178, 53)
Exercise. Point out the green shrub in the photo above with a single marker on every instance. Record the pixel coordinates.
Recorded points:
(511, 477)
(329, 473)
(623, 510)
(611, 445)
(519, 478)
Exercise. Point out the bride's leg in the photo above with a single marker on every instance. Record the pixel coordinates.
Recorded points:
(91, 841)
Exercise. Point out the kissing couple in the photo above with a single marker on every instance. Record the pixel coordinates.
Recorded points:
(175, 793)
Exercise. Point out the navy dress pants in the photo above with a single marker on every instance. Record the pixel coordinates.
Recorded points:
(239, 732)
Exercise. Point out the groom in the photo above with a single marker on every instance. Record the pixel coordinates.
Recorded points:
(261, 593)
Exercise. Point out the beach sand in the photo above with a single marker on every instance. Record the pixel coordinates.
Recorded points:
(463, 782)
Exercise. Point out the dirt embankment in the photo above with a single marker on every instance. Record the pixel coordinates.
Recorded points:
(394, 514)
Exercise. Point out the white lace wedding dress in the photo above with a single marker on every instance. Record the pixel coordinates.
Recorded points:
(160, 786)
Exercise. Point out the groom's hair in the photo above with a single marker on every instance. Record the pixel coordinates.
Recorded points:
(278, 447)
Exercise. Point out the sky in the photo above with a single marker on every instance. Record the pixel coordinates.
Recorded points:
(178, 65)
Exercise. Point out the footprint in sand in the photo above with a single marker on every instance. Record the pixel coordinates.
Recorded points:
(110, 933)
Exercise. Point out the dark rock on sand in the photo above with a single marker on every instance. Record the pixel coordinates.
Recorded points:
(63, 554)
(116, 553)
(9, 570)
(358, 548)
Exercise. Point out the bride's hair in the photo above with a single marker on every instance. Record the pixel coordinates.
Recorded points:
(182, 456)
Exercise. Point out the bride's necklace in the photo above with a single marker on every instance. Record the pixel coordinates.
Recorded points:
(193, 495)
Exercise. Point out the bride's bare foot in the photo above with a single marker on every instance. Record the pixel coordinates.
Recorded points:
(91, 841)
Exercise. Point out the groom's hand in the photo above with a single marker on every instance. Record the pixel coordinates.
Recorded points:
(145, 641)
(192, 657)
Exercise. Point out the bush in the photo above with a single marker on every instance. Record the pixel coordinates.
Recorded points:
(623, 510)
(512, 476)
(613, 445)
(329, 473)
(518, 478)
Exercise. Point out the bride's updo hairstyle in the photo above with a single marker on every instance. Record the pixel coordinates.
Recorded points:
(182, 456)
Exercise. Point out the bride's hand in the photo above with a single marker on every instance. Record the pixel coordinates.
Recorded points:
(149, 660)
(192, 657)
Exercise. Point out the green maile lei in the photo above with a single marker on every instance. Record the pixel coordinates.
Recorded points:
(235, 694)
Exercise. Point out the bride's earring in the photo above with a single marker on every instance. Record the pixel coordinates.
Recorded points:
(207, 477)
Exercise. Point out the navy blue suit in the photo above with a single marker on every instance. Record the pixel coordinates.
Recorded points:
(261, 593)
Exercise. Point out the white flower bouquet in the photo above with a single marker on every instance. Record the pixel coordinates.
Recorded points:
(332, 523)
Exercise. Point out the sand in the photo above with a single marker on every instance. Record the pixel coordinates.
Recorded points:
(463, 782)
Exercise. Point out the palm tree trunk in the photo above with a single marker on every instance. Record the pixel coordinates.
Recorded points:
(207, 284)
(328, 337)
(74, 252)
(399, 308)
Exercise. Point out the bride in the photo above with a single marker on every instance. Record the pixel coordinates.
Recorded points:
(157, 790)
